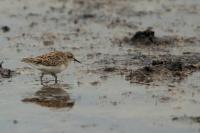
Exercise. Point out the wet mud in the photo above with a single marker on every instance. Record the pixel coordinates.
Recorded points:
(138, 56)
(170, 68)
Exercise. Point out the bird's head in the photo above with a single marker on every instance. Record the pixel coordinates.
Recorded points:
(71, 57)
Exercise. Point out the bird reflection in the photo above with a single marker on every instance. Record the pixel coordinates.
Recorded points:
(51, 96)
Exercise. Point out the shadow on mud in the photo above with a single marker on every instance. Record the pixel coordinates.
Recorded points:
(51, 96)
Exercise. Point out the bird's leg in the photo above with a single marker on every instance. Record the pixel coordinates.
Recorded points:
(55, 76)
(42, 75)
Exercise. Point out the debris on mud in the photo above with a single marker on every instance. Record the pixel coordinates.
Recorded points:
(95, 83)
(48, 43)
(164, 99)
(33, 24)
(88, 126)
(4, 72)
(53, 97)
(87, 16)
(15, 121)
(5, 29)
(194, 119)
(169, 67)
(112, 62)
(148, 38)
(109, 69)
(121, 22)
(116, 70)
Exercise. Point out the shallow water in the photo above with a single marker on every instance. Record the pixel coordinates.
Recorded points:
(103, 102)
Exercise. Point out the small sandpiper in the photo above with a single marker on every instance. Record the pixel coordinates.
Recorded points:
(51, 63)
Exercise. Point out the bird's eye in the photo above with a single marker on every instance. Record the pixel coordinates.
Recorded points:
(70, 56)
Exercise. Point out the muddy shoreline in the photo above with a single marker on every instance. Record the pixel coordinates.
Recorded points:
(137, 57)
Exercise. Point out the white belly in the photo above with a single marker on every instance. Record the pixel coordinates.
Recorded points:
(51, 69)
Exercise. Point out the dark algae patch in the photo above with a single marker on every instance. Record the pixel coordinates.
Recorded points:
(52, 97)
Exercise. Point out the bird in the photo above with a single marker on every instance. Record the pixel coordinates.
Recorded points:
(51, 63)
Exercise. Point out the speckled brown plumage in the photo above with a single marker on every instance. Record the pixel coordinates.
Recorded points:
(51, 63)
(49, 59)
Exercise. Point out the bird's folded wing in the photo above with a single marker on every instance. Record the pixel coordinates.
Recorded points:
(51, 59)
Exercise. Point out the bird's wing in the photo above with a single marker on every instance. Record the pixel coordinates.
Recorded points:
(50, 59)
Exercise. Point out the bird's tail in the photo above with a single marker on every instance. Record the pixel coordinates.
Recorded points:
(27, 60)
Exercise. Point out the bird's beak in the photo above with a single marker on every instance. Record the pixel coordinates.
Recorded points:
(77, 60)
